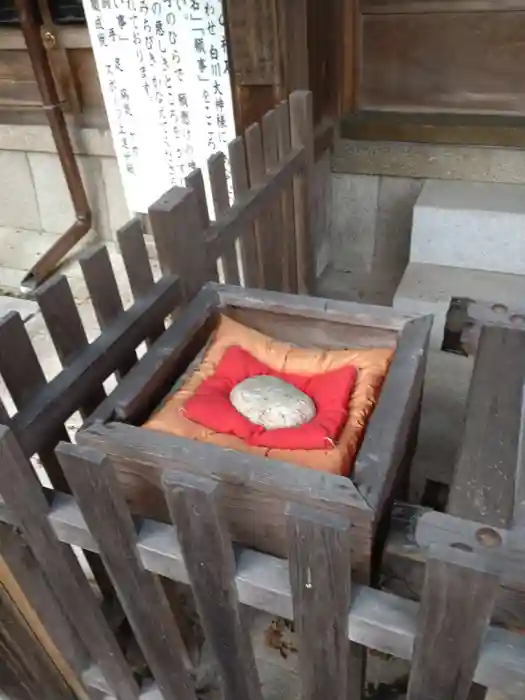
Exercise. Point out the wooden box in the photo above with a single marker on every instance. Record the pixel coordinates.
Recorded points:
(255, 491)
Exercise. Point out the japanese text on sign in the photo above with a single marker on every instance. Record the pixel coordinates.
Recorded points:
(163, 67)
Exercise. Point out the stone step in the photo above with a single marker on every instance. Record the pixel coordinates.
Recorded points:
(427, 288)
(473, 225)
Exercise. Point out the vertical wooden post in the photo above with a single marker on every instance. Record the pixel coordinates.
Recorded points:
(208, 556)
(176, 223)
(95, 486)
(301, 123)
(23, 495)
(320, 574)
(247, 248)
(456, 604)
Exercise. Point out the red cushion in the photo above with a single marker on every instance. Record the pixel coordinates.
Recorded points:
(210, 404)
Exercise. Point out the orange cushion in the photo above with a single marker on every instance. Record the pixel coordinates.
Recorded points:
(372, 365)
(210, 404)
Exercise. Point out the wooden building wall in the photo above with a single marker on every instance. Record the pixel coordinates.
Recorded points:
(276, 46)
(463, 56)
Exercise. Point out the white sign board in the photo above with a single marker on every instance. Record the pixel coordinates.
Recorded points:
(163, 67)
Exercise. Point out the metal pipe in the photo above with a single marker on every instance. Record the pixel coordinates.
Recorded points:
(52, 106)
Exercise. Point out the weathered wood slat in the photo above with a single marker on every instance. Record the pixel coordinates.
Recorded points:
(483, 483)
(166, 358)
(176, 223)
(27, 672)
(132, 244)
(221, 204)
(273, 247)
(301, 127)
(256, 174)
(105, 296)
(95, 486)
(210, 562)
(195, 181)
(378, 460)
(377, 620)
(287, 204)
(308, 307)
(246, 245)
(22, 493)
(319, 556)
(451, 624)
(51, 620)
(61, 397)
(24, 377)
(67, 332)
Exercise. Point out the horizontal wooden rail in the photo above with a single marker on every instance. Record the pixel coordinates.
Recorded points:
(59, 399)
(251, 205)
(377, 620)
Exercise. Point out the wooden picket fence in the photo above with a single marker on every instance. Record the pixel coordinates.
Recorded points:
(262, 239)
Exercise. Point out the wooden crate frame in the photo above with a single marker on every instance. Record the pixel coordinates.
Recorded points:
(255, 491)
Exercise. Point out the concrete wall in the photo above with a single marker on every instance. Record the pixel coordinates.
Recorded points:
(374, 188)
(33, 191)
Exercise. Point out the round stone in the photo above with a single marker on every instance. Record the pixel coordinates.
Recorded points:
(272, 403)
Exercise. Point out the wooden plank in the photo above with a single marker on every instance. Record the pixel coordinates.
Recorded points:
(24, 377)
(204, 540)
(252, 37)
(246, 245)
(65, 327)
(308, 307)
(255, 513)
(176, 223)
(379, 459)
(26, 671)
(22, 493)
(403, 559)
(315, 332)
(301, 129)
(451, 62)
(288, 223)
(456, 605)
(95, 486)
(61, 397)
(396, 7)
(319, 556)
(256, 174)
(377, 620)
(483, 483)
(195, 181)
(425, 128)
(105, 297)
(294, 45)
(143, 388)
(274, 242)
(23, 579)
(132, 244)
(221, 204)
